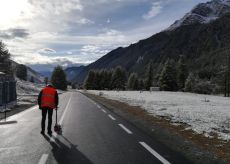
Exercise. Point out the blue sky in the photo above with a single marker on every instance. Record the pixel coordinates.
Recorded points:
(45, 33)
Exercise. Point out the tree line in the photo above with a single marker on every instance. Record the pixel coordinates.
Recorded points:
(106, 79)
(174, 76)
(171, 78)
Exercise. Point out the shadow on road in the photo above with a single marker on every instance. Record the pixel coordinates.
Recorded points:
(67, 154)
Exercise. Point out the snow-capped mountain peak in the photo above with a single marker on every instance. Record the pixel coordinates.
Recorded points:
(204, 13)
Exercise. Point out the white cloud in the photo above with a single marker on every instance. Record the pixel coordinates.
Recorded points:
(108, 20)
(56, 7)
(154, 11)
(90, 53)
(69, 52)
(95, 50)
(80, 31)
(46, 51)
(83, 21)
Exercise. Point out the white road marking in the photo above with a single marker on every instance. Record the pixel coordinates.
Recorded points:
(43, 159)
(153, 152)
(112, 118)
(52, 139)
(126, 129)
(63, 115)
(67, 106)
(103, 110)
(16, 116)
(99, 106)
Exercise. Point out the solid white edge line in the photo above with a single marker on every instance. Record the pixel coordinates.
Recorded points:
(63, 115)
(112, 118)
(43, 159)
(66, 108)
(153, 152)
(16, 116)
(126, 129)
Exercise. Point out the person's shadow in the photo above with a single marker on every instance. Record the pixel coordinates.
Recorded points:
(67, 155)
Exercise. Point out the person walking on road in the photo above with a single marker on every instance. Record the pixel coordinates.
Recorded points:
(47, 101)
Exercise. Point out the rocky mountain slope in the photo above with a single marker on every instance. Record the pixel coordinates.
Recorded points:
(38, 78)
(72, 72)
(204, 13)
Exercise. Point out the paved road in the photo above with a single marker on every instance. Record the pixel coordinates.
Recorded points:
(91, 135)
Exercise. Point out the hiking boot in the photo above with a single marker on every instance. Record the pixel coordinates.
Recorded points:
(50, 133)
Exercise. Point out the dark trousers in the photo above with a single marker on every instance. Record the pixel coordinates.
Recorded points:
(50, 114)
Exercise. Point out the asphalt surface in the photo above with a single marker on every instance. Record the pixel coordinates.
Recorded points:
(91, 135)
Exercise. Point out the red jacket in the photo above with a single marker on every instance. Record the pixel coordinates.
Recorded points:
(48, 98)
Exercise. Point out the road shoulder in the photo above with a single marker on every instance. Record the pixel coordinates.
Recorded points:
(196, 148)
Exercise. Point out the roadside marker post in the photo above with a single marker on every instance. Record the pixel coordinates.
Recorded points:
(5, 121)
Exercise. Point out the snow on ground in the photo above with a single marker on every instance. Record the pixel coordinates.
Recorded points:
(27, 92)
(28, 88)
(204, 114)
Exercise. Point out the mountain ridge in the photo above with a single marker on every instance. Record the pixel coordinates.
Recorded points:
(203, 13)
(194, 41)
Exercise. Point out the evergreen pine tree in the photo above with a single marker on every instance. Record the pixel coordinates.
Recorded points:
(108, 79)
(89, 81)
(46, 80)
(103, 74)
(73, 85)
(141, 84)
(96, 80)
(190, 83)
(5, 64)
(132, 82)
(119, 78)
(21, 72)
(58, 78)
(228, 76)
(136, 84)
(149, 75)
(168, 76)
(181, 73)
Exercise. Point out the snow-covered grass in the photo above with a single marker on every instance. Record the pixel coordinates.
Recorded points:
(204, 114)
(28, 88)
(27, 92)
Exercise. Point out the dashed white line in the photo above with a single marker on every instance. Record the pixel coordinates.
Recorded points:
(126, 129)
(103, 110)
(112, 118)
(43, 159)
(99, 106)
(153, 152)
